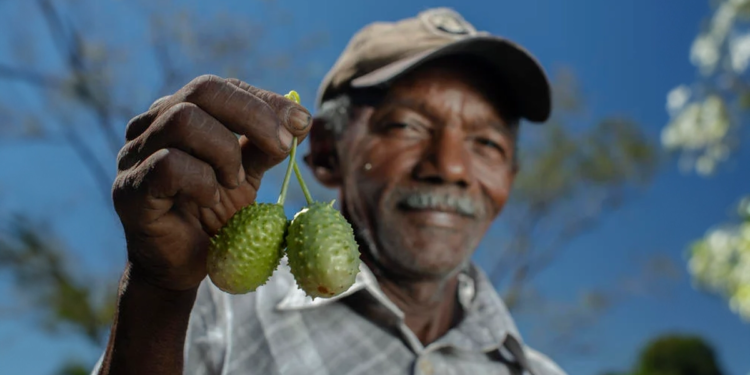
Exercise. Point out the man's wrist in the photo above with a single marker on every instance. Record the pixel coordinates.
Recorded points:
(149, 328)
(136, 282)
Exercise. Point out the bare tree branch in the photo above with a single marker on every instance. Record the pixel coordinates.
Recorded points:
(89, 159)
(72, 50)
(572, 230)
(31, 77)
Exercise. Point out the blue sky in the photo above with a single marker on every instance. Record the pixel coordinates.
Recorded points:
(626, 54)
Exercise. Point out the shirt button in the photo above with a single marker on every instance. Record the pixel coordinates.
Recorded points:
(426, 367)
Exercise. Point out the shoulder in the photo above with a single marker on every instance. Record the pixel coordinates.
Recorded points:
(541, 364)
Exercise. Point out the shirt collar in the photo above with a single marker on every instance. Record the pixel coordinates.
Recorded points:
(487, 319)
(296, 299)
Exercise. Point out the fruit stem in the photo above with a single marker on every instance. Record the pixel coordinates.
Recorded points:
(302, 185)
(293, 96)
(285, 183)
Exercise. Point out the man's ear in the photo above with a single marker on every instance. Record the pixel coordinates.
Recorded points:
(323, 158)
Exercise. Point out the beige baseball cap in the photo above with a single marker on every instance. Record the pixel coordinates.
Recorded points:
(383, 51)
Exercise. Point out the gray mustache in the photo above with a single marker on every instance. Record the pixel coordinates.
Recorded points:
(441, 201)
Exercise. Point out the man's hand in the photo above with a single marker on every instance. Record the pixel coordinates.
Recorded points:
(183, 172)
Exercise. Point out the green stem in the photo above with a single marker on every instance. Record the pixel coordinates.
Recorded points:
(302, 185)
(285, 183)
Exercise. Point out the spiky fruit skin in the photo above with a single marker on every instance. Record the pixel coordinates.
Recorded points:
(248, 248)
(323, 255)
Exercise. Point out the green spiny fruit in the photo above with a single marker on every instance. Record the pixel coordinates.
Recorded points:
(323, 255)
(248, 249)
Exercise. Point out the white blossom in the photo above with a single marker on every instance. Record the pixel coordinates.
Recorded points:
(699, 130)
(705, 165)
(721, 261)
(739, 52)
(702, 128)
(705, 54)
(677, 98)
(723, 20)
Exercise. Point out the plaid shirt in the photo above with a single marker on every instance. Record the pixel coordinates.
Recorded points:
(279, 330)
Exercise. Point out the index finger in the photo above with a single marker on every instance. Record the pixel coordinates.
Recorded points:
(268, 120)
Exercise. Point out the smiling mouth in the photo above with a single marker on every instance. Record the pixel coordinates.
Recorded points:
(435, 218)
(407, 208)
(433, 203)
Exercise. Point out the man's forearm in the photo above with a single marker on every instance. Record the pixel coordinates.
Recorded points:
(148, 333)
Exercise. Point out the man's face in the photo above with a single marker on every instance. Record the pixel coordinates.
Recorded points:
(426, 172)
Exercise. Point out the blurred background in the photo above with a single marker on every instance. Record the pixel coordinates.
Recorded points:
(625, 248)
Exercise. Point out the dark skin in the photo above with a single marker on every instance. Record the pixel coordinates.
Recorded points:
(182, 174)
(436, 131)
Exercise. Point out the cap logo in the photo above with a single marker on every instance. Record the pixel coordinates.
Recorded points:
(447, 22)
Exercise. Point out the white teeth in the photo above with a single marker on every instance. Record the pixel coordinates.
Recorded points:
(461, 205)
(451, 201)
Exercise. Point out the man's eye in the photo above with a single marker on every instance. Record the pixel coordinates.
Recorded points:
(403, 129)
(396, 125)
(489, 143)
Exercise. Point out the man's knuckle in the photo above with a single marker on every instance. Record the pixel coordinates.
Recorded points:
(131, 125)
(182, 114)
(233, 146)
(159, 101)
(264, 113)
(237, 82)
(204, 79)
(137, 125)
(202, 84)
(118, 188)
(274, 99)
(122, 192)
(124, 157)
(168, 160)
(175, 120)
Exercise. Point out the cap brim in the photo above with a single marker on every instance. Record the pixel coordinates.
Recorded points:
(520, 71)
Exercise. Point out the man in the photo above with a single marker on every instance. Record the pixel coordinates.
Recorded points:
(416, 129)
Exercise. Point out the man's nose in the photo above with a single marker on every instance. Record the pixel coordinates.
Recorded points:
(445, 160)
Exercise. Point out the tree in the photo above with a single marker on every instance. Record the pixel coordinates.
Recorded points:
(574, 172)
(571, 176)
(706, 126)
(569, 179)
(92, 87)
(676, 354)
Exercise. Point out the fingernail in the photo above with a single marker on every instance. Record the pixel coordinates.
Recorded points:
(299, 119)
(285, 137)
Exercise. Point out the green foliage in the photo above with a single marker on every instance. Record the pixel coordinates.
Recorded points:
(569, 180)
(42, 272)
(94, 84)
(678, 355)
(74, 368)
(574, 171)
(570, 177)
(675, 354)
(613, 153)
